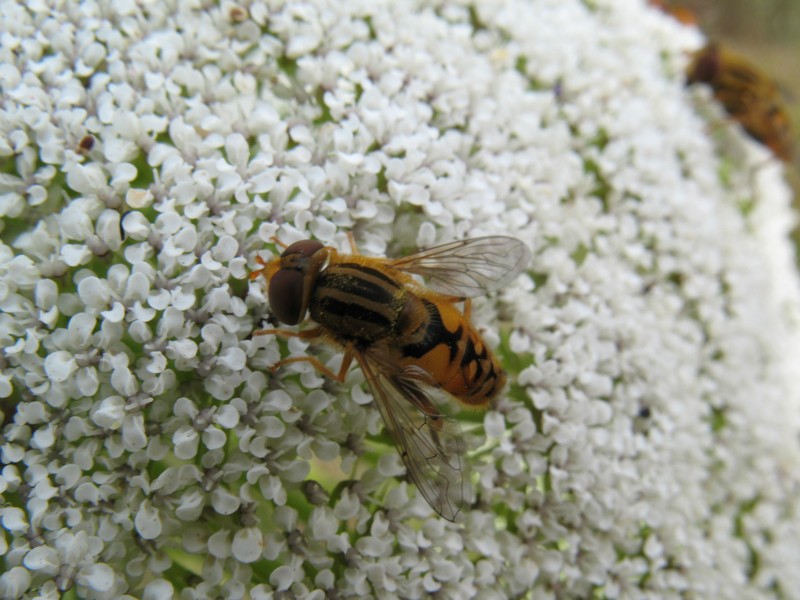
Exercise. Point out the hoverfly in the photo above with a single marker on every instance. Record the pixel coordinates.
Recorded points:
(747, 94)
(414, 346)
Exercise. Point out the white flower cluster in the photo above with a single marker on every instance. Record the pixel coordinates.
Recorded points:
(647, 445)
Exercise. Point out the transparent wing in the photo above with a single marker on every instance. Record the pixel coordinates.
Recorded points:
(468, 268)
(429, 442)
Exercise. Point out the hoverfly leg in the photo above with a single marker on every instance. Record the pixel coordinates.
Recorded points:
(277, 242)
(338, 377)
(307, 334)
(352, 241)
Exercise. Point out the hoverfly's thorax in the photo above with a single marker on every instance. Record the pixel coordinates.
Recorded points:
(361, 303)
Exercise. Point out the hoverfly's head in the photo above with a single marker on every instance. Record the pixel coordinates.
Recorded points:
(705, 66)
(290, 279)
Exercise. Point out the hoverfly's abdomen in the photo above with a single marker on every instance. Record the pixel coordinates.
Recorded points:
(482, 376)
(451, 350)
(358, 302)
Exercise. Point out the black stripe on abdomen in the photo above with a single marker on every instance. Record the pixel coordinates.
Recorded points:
(435, 333)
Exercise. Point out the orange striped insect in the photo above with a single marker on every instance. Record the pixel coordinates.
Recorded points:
(747, 94)
(415, 348)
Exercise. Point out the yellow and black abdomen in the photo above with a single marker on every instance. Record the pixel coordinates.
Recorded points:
(454, 354)
(357, 302)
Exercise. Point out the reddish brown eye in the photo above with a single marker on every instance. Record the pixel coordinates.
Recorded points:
(303, 247)
(286, 296)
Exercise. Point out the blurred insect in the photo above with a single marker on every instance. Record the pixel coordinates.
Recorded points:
(415, 348)
(747, 94)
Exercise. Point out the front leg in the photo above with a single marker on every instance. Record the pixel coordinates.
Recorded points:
(315, 362)
(308, 334)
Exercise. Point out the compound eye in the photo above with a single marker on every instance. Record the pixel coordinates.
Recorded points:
(303, 247)
(286, 296)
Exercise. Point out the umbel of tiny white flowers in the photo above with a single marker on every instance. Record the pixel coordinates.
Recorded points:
(646, 445)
